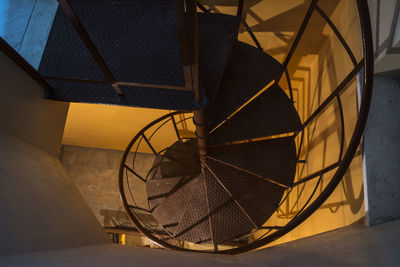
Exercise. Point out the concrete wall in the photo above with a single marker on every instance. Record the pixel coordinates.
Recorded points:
(382, 151)
(40, 208)
(25, 114)
(95, 174)
(25, 25)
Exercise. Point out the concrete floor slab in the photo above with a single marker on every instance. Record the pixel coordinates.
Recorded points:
(351, 246)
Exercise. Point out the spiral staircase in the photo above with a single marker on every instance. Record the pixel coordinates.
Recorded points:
(219, 187)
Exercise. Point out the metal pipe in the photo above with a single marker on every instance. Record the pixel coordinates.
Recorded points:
(200, 121)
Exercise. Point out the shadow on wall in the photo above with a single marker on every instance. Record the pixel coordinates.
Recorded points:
(385, 28)
(281, 19)
(318, 66)
(115, 218)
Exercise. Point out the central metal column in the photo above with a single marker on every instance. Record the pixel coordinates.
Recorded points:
(200, 121)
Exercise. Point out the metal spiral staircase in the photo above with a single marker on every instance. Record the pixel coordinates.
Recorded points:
(217, 189)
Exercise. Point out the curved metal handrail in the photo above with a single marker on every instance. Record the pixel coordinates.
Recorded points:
(345, 157)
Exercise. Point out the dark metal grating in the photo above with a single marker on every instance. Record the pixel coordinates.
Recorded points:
(159, 189)
(227, 219)
(194, 224)
(247, 72)
(169, 211)
(154, 58)
(273, 159)
(114, 27)
(66, 56)
(226, 200)
(258, 198)
(271, 113)
(181, 159)
(217, 33)
(171, 171)
(137, 39)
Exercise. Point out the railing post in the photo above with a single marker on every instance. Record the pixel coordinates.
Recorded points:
(300, 32)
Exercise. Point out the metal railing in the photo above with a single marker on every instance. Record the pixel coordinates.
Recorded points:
(345, 156)
(146, 135)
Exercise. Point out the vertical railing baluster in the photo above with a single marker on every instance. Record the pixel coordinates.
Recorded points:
(300, 32)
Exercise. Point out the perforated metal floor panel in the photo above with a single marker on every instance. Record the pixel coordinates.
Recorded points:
(138, 41)
(217, 33)
(247, 72)
(219, 204)
(274, 158)
(271, 113)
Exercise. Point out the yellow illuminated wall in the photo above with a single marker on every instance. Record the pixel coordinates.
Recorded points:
(322, 139)
(113, 127)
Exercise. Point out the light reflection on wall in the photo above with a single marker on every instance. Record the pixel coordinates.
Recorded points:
(322, 138)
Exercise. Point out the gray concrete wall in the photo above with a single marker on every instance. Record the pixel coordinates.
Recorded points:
(95, 174)
(25, 114)
(382, 151)
(40, 207)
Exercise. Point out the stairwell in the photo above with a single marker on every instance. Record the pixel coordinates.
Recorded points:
(254, 118)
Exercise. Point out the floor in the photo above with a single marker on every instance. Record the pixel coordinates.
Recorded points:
(351, 246)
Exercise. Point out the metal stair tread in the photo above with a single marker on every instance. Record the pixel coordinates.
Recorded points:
(160, 189)
(180, 159)
(258, 198)
(274, 159)
(168, 212)
(247, 71)
(194, 223)
(155, 56)
(217, 33)
(226, 218)
(271, 113)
